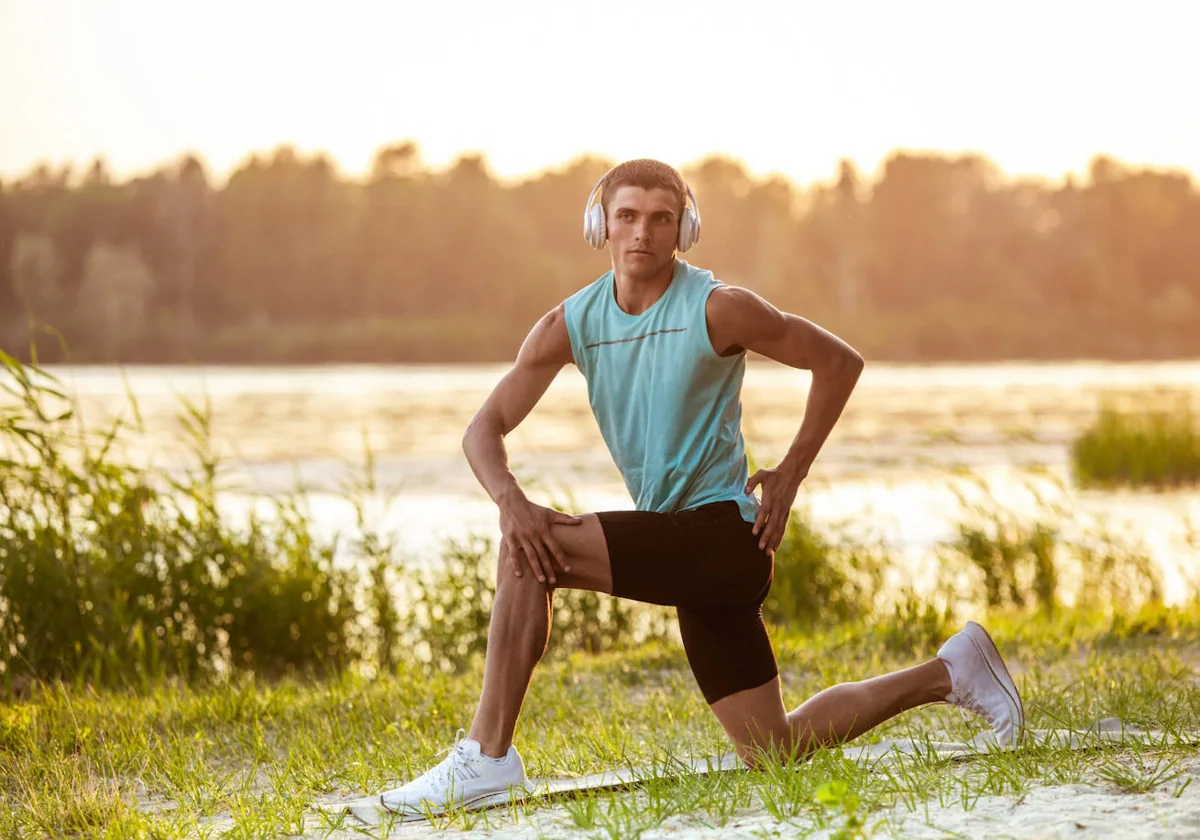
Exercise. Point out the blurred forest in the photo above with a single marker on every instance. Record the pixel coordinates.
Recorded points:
(939, 258)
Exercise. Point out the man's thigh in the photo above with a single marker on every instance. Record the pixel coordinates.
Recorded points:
(587, 555)
(703, 557)
(708, 564)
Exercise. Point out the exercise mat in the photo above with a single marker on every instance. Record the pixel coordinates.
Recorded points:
(370, 811)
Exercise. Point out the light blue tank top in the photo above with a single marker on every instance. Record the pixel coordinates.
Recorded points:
(668, 406)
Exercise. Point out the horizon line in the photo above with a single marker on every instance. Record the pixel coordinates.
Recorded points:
(80, 166)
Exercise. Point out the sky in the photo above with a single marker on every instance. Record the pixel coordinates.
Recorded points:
(788, 87)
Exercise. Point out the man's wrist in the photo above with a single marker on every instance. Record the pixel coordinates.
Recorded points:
(796, 464)
(509, 495)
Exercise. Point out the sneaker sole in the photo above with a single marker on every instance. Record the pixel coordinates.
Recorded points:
(991, 656)
(476, 803)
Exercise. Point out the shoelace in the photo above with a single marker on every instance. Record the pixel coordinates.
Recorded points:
(971, 703)
(457, 766)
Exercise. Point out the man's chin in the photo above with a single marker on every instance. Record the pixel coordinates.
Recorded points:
(643, 266)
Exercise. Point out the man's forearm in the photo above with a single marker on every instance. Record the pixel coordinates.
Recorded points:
(832, 385)
(488, 458)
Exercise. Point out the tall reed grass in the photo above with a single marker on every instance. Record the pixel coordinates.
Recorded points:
(108, 568)
(116, 573)
(1155, 447)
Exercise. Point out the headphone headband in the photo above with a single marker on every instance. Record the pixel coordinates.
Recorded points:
(689, 195)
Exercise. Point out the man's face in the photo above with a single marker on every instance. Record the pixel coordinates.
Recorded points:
(643, 229)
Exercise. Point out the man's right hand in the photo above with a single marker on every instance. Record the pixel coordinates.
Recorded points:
(525, 533)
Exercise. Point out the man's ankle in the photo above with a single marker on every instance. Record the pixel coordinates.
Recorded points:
(492, 748)
(495, 751)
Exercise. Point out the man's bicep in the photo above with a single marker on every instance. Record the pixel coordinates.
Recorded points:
(739, 319)
(744, 319)
(543, 354)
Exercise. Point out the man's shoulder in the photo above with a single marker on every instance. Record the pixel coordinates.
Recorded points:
(733, 314)
(725, 299)
(549, 341)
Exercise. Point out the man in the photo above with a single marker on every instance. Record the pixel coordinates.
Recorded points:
(663, 347)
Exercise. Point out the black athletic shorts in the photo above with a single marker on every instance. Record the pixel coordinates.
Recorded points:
(706, 563)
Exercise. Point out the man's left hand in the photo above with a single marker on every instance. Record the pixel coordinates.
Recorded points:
(779, 488)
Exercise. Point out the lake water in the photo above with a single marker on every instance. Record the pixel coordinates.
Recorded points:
(893, 468)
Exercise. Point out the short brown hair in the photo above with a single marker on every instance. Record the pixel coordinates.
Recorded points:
(647, 174)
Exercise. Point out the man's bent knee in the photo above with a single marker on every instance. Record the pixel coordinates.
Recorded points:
(507, 579)
(760, 746)
(755, 720)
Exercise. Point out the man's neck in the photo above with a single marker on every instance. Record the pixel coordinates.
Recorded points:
(635, 296)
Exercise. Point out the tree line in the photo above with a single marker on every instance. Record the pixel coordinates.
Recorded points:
(938, 257)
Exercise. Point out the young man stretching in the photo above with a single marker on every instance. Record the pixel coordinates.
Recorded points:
(663, 346)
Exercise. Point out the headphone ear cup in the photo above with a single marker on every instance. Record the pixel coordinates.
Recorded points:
(601, 226)
(595, 231)
(688, 230)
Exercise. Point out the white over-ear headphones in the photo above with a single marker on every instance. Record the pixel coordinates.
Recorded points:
(595, 231)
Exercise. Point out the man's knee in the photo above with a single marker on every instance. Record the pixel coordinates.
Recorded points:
(772, 745)
(507, 580)
(506, 572)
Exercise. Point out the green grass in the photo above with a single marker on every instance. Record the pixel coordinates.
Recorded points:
(247, 758)
(1157, 447)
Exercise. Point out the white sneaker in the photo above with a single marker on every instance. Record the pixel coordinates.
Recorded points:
(980, 683)
(464, 779)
